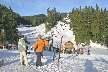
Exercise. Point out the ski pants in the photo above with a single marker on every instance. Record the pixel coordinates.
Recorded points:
(23, 58)
(38, 61)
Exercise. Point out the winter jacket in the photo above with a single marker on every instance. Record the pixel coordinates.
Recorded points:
(46, 43)
(21, 45)
(39, 45)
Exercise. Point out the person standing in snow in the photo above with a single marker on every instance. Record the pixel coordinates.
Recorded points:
(81, 51)
(39, 48)
(88, 52)
(76, 50)
(22, 50)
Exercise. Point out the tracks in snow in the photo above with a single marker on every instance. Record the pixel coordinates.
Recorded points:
(68, 63)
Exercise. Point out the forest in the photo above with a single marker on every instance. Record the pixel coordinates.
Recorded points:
(87, 23)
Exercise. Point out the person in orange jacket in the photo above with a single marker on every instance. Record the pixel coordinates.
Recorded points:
(39, 48)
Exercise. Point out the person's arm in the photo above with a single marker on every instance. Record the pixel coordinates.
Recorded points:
(35, 45)
(46, 42)
(23, 44)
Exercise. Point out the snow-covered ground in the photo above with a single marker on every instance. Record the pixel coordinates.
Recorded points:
(97, 61)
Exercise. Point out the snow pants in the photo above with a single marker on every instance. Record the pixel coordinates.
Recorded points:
(38, 61)
(23, 58)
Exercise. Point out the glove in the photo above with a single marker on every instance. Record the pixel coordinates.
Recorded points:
(34, 49)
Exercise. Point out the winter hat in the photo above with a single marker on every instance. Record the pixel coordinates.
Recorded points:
(22, 36)
(39, 36)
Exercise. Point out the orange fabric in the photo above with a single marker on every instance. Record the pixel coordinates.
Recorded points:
(61, 49)
(46, 43)
(39, 45)
(69, 49)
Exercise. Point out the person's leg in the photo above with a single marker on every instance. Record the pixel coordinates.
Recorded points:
(69, 52)
(37, 58)
(38, 61)
(25, 58)
(21, 59)
(42, 55)
(76, 52)
(64, 51)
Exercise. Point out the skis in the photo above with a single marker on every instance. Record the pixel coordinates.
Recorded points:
(59, 52)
